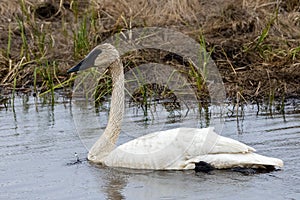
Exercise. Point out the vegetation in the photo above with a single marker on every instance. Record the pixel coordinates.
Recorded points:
(255, 44)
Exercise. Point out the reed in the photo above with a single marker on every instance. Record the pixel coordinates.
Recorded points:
(81, 40)
(265, 31)
(61, 85)
(8, 49)
(282, 107)
(41, 43)
(24, 48)
(49, 82)
(75, 8)
(143, 94)
(14, 92)
(103, 89)
(35, 80)
(24, 9)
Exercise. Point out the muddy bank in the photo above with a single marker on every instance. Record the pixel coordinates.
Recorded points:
(255, 44)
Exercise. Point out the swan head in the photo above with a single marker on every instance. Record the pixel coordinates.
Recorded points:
(102, 56)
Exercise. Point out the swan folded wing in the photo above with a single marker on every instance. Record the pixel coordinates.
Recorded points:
(206, 141)
(157, 150)
(171, 149)
(228, 145)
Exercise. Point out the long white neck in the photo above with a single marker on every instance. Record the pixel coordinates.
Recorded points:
(106, 143)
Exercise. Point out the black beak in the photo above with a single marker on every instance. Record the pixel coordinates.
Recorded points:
(75, 68)
(87, 62)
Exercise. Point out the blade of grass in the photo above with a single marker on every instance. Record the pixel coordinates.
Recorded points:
(8, 41)
(24, 48)
(60, 85)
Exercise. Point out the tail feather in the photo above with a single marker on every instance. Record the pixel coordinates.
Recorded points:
(247, 160)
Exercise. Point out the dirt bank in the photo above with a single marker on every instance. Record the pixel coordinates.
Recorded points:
(255, 44)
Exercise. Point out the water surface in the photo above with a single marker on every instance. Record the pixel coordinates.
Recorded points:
(38, 142)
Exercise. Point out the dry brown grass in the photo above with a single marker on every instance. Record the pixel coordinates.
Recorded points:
(255, 43)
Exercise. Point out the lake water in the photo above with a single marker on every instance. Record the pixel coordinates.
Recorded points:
(38, 142)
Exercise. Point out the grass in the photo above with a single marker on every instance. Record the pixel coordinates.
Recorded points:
(8, 49)
(245, 39)
(295, 52)
(49, 81)
(24, 48)
(13, 92)
(81, 40)
(266, 30)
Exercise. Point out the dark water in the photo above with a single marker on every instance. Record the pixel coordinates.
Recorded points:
(37, 141)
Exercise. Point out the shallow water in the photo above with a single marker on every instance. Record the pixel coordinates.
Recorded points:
(38, 141)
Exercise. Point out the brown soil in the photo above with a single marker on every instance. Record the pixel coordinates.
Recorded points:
(253, 67)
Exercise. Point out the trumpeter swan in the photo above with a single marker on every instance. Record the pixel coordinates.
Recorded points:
(175, 149)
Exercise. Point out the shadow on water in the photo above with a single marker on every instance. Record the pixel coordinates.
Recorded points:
(38, 142)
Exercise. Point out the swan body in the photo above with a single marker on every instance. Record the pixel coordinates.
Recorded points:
(174, 149)
(181, 148)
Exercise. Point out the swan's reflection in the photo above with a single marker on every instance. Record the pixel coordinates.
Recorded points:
(112, 182)
(119, 183)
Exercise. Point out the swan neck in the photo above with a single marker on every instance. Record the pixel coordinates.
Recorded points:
(106, 143)
(117, 101)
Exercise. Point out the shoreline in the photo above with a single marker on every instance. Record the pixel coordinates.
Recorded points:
(256, 47)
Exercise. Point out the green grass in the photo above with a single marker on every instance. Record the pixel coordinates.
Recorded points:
(81, 40)
(295, 52)
(24, 8)
(24, 48)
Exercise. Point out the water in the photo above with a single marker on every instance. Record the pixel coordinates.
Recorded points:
(38, 142)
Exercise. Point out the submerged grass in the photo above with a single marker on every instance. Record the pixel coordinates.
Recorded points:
(255, 44)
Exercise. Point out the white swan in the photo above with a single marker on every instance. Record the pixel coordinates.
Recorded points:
(175, 149)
